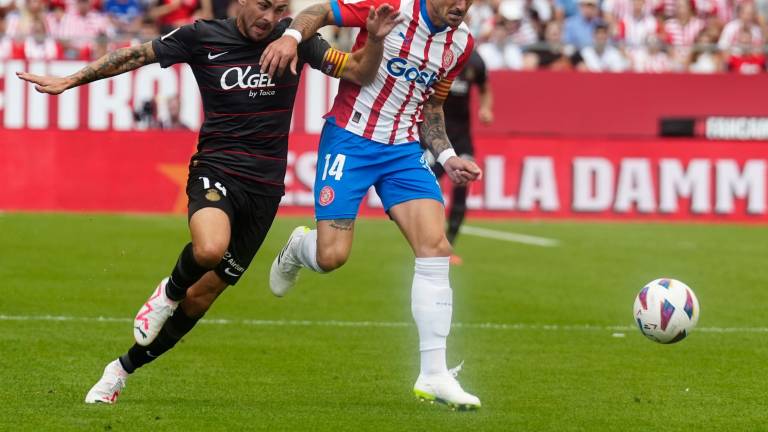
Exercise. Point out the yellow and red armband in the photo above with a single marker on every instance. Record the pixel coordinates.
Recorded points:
(442, 88)
(334, 62)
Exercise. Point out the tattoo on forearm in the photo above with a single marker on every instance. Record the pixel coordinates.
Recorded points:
(432, 131)
(115, 63)
(343, 224)
(310, 19)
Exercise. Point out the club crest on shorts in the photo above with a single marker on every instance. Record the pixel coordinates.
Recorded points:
(447, 59)
(212, 195)
(326, 195)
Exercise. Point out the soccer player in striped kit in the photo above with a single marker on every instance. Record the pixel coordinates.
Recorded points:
(373, 136)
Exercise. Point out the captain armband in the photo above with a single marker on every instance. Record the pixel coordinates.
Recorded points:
(334, 62)
(442, 88)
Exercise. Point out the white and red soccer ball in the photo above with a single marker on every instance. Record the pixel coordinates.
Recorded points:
(666, 310)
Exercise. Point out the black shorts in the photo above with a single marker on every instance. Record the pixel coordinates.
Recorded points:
(250, 216)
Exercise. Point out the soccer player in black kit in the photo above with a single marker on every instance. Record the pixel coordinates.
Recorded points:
(457, 126)
(236, 176)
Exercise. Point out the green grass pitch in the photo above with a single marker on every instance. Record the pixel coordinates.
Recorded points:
(291, 365)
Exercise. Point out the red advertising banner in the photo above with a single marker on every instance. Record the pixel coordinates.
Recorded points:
(524, 177)
(561, 104)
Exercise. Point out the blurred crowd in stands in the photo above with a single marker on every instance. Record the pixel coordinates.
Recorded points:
(699, 36)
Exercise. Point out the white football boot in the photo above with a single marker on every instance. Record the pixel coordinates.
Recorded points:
(153, 314)
(109, 386)
(444, 388)
(285, 267)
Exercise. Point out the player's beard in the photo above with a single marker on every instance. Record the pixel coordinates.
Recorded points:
(454, 17)
(255, 29)
(260, 29)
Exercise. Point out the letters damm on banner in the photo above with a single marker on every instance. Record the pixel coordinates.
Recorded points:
(524, 177)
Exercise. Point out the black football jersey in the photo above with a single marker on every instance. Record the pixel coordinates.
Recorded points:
(247, 114)
(456, 105)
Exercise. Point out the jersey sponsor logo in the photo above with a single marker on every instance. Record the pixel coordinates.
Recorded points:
(212, 56)
(400, 68)
(326, 196)
(237, 77)
(233, 264)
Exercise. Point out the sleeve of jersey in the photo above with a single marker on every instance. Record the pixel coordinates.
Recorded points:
(482, 72)
(176, 46)
(444, 85)
(352, 13)
(316, 52)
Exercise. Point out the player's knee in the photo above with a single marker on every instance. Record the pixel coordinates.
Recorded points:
(330, 259)
(434, 247)
(209, 254)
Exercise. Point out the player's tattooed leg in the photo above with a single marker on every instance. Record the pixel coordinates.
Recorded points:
(343, 224)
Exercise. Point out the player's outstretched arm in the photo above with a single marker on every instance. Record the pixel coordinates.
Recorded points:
(363, 64)
(114, 63)
(433, 136)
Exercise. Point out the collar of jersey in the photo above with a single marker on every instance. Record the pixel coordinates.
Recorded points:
(425, 16)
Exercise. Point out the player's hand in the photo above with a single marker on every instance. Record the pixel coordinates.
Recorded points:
(485, 115)
(45, 84)
(278, 55)
(462, 171)
(381, 21)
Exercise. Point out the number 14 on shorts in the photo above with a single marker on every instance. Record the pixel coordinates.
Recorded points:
(336, 169)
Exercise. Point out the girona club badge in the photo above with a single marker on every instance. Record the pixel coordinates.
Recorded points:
(326, 195)
(447, 59)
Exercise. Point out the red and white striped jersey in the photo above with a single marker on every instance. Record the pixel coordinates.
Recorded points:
(419, 60)
(679, 34)
(634, 31)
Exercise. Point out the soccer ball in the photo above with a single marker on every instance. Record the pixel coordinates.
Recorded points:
(666, 310)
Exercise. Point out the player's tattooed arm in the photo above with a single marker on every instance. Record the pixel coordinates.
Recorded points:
(432, 128)
(362, 65)
(434, 137)
(343, 224)
(114, 63)
(311, 19)
(282, 53)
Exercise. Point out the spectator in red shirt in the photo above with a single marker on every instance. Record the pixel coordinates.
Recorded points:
(174, 13)
(745, 58)
(79, 28)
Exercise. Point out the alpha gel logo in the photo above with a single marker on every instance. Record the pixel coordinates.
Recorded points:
(237, 77)
(400, 68)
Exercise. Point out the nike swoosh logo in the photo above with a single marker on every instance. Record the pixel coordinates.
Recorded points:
(211, 56)
(407, 39)
(226, 270)
(151, 355)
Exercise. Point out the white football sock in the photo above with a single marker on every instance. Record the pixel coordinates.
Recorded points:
(432, 305)
(306, 251)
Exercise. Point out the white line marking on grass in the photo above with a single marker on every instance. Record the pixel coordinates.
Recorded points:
(509, 236)
(382, 324)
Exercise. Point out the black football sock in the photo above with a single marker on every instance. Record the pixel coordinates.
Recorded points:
(458, 210)
(178, 325)
(186, 272)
